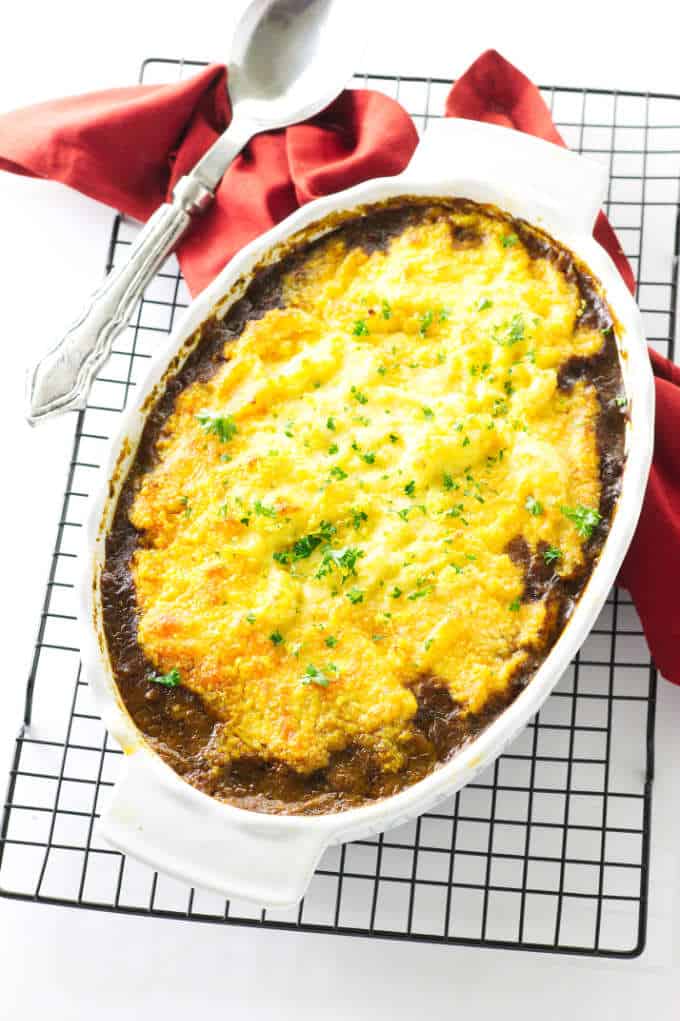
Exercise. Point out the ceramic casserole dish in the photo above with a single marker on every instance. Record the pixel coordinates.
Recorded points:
(269, 859)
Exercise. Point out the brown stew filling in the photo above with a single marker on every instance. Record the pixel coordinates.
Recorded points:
(177, 723)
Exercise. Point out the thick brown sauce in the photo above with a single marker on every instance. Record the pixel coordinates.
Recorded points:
(175, 721)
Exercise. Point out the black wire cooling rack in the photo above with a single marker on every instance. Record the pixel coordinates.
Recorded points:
(549, 849)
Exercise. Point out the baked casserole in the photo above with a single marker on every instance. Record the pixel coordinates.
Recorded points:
(363, 508)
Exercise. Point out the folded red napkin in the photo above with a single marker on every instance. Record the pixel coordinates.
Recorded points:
(127, 147)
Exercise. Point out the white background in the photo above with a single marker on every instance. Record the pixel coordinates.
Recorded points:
(76, 964)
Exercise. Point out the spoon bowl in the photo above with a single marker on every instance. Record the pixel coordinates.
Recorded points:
(290, 58)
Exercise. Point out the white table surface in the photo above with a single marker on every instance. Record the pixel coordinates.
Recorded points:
(73, 965)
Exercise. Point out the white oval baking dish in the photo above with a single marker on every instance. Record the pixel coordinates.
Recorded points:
(269, 859)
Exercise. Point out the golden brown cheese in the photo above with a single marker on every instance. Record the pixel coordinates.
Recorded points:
(331, 512)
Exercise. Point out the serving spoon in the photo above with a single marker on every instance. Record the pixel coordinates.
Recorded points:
(289, 59)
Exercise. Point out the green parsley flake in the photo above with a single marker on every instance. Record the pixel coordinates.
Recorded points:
(534, 506)
(393, 438)
(358, 395)
(338, 473)
(170, 680)
(358, 517)
(305, 546)
(410, 488)
(355, 595)
(360, 329)
(428, 412)
(621, 402)
(511, 333)
(344, 560)
(222, 426)
(514, 606)
(330, 424)
(426, 321)
(396, 592)
(584, 519)
(509, 240)
(552, 554)
(419, 593)
(263, 511)
(483, 304)
(313, 675)
(276, 638)
(250, 617)
(369, 458)
(448, 481)
(386, 309)
(331, 641)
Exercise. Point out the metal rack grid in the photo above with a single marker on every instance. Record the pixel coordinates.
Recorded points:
(549, 850)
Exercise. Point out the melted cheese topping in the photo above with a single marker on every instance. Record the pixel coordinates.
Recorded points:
(330, 515)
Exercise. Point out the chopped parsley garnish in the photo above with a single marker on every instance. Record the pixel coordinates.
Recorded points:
(552, 554)
(509, 240)
(305, 546)
(621, 402)
(534, 506)
(448, 481)
(428, 412)
(355, 595)
(263, 511)
(410, 488)
(338, 473)
(358, 395)
(396, 592)
(382, 370)
(584, 519)
(222, 426)
(250, 617)
(444, 314)
(419, 593)
(404, 513)
(333, 449)
(170, 680)
(483, 304)
(393, 438)
(369, 458)
(360, 329)
(313, 675)
(426, 321)
(344, 560)
(331, 641)
(386, 309)
(466, 441)
(358, 517)
(511, 333)
(225, 458)
(276, 638)
(330, 424)
(514, 606)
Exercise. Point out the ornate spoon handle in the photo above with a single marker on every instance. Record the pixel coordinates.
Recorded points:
(62, 379)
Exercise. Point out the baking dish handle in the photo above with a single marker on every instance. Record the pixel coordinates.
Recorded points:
(569, 185)
(156, 817)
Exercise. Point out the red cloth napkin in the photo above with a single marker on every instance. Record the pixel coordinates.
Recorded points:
(127, 147)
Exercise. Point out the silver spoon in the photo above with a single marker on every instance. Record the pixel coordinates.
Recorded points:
(289, 59)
